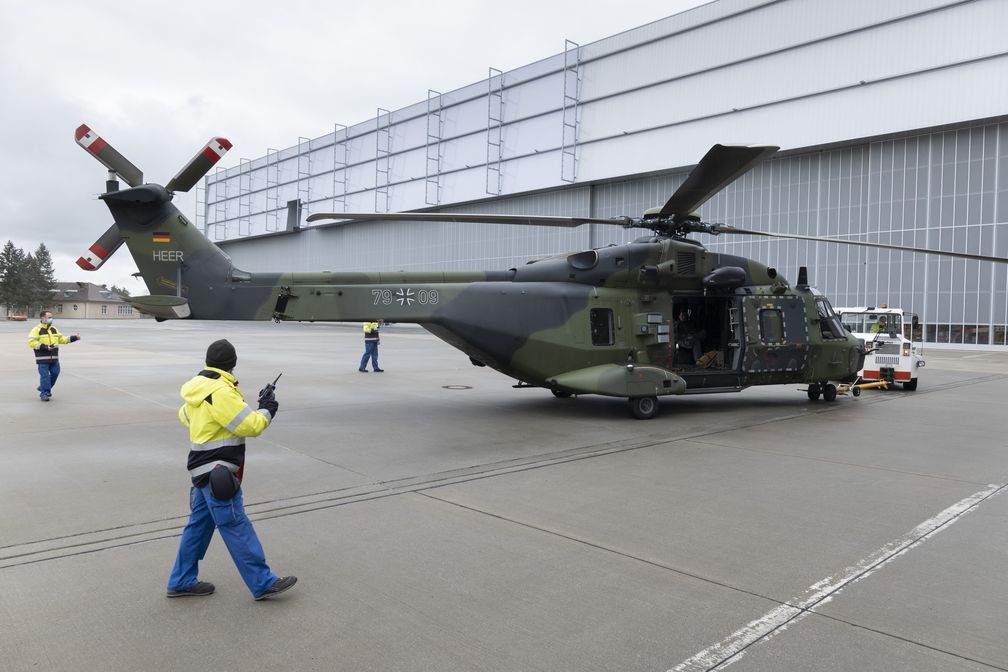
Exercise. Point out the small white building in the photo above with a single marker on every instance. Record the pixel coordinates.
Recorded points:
(86, 300)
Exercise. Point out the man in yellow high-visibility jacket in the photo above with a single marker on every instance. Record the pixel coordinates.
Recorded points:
(219, 420)
(371, 340)
(45, 340)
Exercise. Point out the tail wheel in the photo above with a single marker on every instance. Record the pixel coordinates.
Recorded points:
(644, 408)
(829, 392)
(561, 394)
(910, 385)
(814, 391)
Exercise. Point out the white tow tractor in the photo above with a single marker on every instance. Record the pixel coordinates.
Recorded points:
(892, 357)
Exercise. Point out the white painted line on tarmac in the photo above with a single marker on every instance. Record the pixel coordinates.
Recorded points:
(732, 648)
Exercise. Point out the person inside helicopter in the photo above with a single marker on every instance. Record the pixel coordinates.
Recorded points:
(689, 338)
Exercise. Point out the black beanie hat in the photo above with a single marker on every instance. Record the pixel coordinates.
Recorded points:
(221, 355)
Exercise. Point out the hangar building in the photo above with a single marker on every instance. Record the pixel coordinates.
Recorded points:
(892, 119)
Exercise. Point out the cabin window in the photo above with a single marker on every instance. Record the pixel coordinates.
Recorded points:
(602, 326)
(771, 322)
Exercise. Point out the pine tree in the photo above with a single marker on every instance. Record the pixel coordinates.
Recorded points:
(41, 279)
(12, 280)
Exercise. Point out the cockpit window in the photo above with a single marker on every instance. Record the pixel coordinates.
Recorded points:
(829, 324)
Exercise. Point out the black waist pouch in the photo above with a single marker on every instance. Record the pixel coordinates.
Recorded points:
(223, 484)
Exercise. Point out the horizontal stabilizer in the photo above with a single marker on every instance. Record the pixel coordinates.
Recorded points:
(161, 307)
(199, 165)
(108, 156)
(102, 249)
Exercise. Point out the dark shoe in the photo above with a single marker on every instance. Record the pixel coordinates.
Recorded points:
(279, 586)
(198, 589)
(379, 370)
(43, 398)
(362, 370)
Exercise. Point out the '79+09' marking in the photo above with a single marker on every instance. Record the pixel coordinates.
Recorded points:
(404, 296)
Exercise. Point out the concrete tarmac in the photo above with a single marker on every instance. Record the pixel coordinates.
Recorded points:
(438, 519)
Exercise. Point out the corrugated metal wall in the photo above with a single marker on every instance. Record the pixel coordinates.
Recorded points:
(798, 73)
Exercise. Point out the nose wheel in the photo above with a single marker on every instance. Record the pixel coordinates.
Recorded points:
(828, 391)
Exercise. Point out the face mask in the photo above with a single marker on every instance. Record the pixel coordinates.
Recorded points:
(48, 320)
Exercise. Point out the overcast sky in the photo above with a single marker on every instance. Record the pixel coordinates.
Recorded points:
(157, 80)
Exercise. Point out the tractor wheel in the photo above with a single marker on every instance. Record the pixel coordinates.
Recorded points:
(829, 392)
(814, 391)
(644, 408)
(856, 391)
(561, 394)
(910, 385)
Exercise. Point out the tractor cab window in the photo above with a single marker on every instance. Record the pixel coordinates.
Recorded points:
(602, 326)
(771, 322)
(829, 323)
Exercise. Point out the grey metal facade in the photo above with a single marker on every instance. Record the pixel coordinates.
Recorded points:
(595, 129)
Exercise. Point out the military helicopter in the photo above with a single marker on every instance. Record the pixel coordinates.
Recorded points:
(598, 321)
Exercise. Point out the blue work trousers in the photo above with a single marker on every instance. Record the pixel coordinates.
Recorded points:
(48, 372)
(228, 516)
(370, 350)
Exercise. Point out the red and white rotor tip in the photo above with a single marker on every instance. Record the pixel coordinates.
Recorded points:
(97, 147)
(101, 250)
(199, 165)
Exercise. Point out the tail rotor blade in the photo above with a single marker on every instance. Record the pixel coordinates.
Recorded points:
(199, 165)
(102, 249)
(108, 156)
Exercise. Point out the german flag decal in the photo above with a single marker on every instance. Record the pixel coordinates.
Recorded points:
(161, 237)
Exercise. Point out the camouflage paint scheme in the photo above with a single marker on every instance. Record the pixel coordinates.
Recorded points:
(531, 323)
(591, 322)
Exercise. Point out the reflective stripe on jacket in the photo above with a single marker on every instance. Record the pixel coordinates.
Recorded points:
(46, 334)
(371, 332)
(218, 420)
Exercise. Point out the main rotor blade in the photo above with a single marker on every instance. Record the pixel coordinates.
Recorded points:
(102, 249)
(108, 156)
(719, 167)
(901, 248)
(199, 165)
(467, 218)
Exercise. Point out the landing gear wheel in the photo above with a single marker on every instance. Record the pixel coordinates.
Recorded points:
(910, 385)
(829, 392)
(644, 408)
(561, 394)
(814, 391)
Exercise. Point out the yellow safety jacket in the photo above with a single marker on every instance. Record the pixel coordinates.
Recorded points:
(218, 420)
(371, 332)
(49, 336)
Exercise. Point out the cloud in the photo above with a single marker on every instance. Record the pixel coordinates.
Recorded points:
(158, 80)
